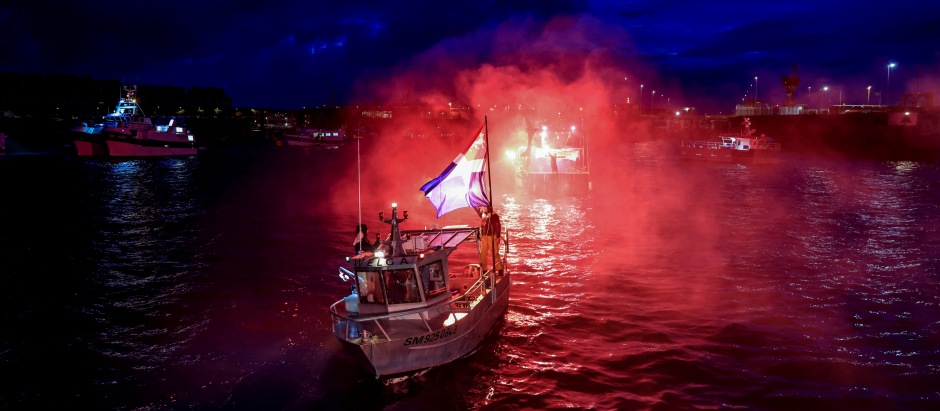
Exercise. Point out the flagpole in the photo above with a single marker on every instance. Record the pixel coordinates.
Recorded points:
(489, 175)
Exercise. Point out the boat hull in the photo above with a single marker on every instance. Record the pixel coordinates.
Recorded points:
(755, 156)
(148, 148)
(88, 144)
(399, 357)
(90, 149)
(711, 155)
(313, 143)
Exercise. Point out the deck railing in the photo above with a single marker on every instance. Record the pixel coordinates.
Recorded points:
(702, 144)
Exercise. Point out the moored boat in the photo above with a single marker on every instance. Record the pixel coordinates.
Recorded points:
(316, 138)
(742, 148)
(128, 133)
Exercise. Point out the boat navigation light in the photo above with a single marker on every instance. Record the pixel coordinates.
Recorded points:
(394, 205)
(380, 254)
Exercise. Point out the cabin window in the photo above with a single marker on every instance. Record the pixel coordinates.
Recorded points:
(402, 286)
(369, 287)
(433, 276)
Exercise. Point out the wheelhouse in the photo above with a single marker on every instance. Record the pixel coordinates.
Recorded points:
(418, 278)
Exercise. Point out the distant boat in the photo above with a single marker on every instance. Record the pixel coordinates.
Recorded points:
(316, 138)
(742, 148)
(128, 133)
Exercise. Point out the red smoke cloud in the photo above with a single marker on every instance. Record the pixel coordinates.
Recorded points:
(561, 71)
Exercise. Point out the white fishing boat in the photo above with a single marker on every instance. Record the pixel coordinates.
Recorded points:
(743, 148)
(128, 133)
(316, 138)
(414, 305)
(560, 162)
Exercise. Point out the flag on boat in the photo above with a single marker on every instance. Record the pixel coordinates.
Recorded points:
(461, 183)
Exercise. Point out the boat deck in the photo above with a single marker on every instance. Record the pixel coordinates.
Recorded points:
(394, 327)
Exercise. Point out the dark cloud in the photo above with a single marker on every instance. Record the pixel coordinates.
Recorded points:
(295, 53)
(634, 13)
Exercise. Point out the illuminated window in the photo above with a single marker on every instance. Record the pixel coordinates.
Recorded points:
(370, 292)
(402, 286)
(433, 276)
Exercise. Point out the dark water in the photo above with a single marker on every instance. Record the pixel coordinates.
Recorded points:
(204, 283)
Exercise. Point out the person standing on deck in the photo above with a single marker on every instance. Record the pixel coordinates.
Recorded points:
(490, 229)
(554, 163)
(361, 243)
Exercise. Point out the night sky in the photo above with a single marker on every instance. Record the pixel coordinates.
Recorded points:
(289, 54)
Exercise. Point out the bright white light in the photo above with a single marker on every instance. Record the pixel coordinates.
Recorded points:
(572, 128)
(380, 254)
(544, 127)
(891, 65)
(543, 134)
(825, 88)
(454, 317)
(907, 114)
(394, 205)
(511, 154)
(677, 113)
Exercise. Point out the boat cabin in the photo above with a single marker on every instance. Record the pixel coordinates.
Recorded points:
(747, 143)
(416, 276)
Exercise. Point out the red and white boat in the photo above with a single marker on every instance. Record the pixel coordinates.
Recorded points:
(743, 148)
(128, 133)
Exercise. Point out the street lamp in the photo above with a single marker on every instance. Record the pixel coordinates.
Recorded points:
(641, 97)
(828, 99)
(653, 100)
(869, 95)
(890, 66)
(755, 88)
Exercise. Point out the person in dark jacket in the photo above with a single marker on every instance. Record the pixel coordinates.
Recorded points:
(361, 243)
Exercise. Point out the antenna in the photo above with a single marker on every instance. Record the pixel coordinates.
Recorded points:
(359, 174)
